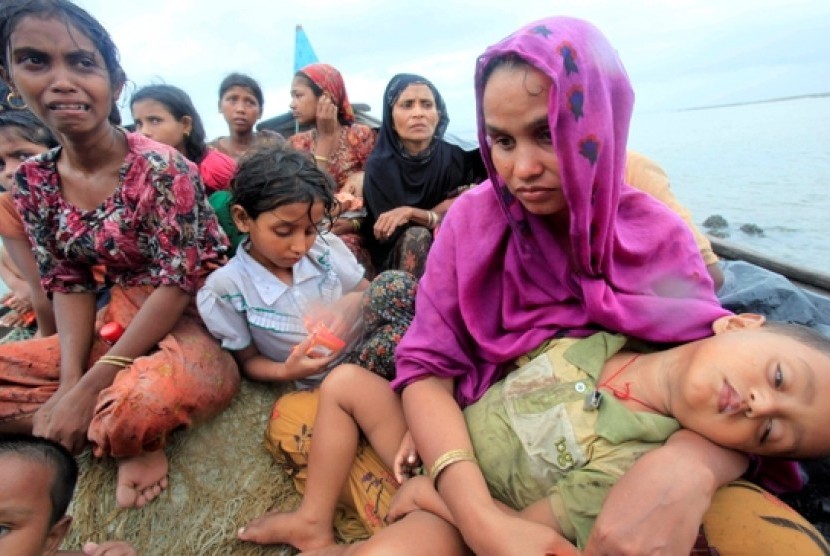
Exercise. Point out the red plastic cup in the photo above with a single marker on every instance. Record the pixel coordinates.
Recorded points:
(323, 341)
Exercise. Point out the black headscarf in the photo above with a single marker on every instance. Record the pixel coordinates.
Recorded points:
(394, 178)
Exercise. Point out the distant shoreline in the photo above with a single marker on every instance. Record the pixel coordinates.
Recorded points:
(732, 104)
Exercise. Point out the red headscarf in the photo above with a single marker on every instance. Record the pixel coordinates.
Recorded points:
(330, 80)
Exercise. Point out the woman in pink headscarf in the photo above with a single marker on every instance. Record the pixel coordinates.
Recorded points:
(555, 244)
(339, 145)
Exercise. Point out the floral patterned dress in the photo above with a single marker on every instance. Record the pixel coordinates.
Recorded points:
(156, 229)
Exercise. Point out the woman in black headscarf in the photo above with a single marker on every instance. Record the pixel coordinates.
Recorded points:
(412, 175)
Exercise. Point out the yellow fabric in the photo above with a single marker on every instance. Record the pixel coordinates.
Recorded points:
(371, 485)
(646, 175)
(745, 520)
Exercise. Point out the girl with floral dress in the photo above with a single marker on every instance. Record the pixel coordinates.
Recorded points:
(117, 199)
(340, 146)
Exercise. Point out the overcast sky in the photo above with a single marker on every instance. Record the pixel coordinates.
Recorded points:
(679, 53)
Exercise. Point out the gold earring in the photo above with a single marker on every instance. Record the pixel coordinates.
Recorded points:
(14, 100)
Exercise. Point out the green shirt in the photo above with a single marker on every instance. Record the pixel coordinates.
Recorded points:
(534, 438)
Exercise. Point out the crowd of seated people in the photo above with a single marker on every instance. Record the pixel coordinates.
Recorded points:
(504, 331)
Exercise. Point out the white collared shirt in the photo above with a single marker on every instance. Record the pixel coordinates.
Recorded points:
(243, 302)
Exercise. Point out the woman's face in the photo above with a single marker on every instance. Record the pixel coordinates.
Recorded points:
(303, 101)
(61, 75)
(240, 108)
(515, 107)
(415, 117)
(153, 119)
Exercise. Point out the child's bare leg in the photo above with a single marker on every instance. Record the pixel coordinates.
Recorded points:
(351, 399)
(406, 538)
(141, 479)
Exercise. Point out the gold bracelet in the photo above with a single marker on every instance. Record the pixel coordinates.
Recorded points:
(115, 361)
(435, 219)
(355, 224)
(447, 459)
(319, 158)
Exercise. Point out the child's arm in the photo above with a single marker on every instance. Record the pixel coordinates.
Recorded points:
(418, 493)
(21, 254)
(11, 276)
(298, 365)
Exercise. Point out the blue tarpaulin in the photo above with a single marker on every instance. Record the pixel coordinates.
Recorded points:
(303, 53)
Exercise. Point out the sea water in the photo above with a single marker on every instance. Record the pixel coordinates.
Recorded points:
(766, 164)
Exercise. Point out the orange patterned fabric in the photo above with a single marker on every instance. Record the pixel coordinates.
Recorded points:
(11, 225)
(187, 380)
(370, 486)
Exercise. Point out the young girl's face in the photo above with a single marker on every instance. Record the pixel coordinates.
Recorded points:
(154, 120)
(283, 236)
(240, 108)
(14, 149)
(61, 75)
(303, 102)
(515, 107)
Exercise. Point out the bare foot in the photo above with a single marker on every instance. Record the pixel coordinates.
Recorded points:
(288, 528)
(141, 479)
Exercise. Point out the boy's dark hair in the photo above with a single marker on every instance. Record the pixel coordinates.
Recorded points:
(178, 103)
(271, 177)
(13, 11)
(241, 80)
(51, 454)
(800, 333)
(30, 128)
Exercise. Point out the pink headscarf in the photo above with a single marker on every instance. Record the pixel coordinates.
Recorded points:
(500, 281)
(329, 79)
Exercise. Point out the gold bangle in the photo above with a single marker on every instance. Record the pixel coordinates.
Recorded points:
(435, 219)
(355, 224)
(319, 158)
(447, 459)
(115, 361)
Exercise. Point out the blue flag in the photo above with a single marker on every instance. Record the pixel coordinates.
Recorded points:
(303, 53)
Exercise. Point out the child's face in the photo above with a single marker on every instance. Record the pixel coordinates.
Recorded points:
(283, 236)
(240, 108)
(515, 107)
(153, 119)
(303, 102)
(61, 75)
(755, 391)
(14, 149)
(25, 508)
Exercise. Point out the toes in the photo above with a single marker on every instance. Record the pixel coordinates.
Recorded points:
(125, 496)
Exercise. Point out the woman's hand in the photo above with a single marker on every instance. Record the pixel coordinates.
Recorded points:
(508, 535)
(658, 505)
(65, 418)
(326, 118)
(388, 222)
(406, 459)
